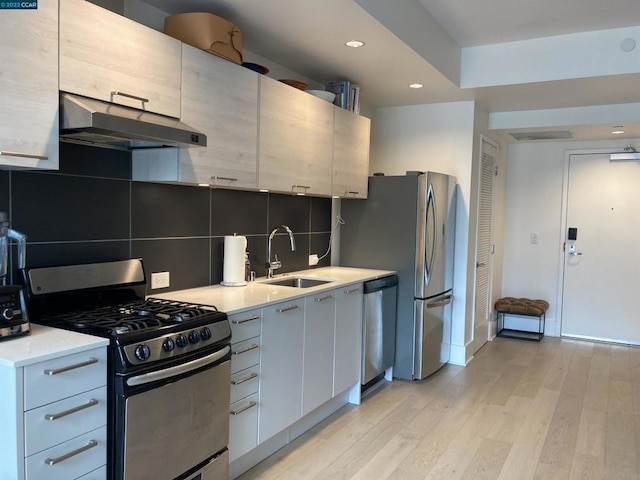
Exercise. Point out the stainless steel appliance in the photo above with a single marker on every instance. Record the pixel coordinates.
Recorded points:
(379, 335)
(407, 224)
(14, 320)
(169, 368)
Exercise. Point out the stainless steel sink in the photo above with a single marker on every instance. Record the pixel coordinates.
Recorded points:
(298, 282)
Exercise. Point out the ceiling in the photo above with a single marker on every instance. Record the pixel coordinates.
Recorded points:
(426, 41)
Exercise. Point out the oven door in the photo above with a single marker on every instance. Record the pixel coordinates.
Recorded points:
(170, 428)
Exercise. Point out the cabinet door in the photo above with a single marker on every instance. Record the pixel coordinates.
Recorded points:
(350, 154)
(348, 339)
(296, 140)
(319, 328)
(281, 367)
(102, 53)
(29, 87)
(220, 99)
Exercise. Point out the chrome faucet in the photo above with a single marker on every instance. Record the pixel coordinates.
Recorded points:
(275, 263)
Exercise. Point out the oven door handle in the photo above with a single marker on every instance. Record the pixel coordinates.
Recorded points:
(177, 370)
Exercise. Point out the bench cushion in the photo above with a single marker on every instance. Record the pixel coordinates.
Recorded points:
(521, 306)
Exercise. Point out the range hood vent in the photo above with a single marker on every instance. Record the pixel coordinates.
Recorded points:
(548, 135)
(93, 122)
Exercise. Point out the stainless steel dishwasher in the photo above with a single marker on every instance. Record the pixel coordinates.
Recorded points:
(379, 334)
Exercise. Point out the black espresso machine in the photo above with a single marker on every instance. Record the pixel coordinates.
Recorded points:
(14, 320)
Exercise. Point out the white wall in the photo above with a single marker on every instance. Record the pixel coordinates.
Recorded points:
(534, 199)
(436, 137)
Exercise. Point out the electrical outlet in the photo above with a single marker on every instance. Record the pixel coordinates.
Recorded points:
(535, 238)
(313, 259)
(159, 280)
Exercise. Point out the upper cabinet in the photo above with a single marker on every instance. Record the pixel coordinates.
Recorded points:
(350, 155)
(296, 140)
(29, 87)
(109, 57)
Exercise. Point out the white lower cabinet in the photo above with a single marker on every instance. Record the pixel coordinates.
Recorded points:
(245, 379)
(59, 419)
(319, 330)
(348, 340)
(281, 367)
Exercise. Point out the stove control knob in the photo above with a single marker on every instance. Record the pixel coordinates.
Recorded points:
(142, 352)
(194, 337)
(168, 345)
(7, 314)
(205, 333)
(181, 340)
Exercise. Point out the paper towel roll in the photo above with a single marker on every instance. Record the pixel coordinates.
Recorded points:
(233, 270)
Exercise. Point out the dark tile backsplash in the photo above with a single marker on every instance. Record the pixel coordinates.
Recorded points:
(91, 211)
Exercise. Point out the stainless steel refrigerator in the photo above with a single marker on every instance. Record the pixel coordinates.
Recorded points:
(407, 224)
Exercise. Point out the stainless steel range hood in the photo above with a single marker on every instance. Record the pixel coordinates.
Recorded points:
(94, 122)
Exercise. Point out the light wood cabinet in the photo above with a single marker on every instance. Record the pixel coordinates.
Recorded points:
(281, 367)
(350, 155)
(220, 99)
(319, 329)
(109, 57)
(29, 87)
(296, 140)
(348, 339)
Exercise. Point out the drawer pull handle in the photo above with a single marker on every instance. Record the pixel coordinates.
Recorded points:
(286, 309)
(244, 409)
(56, 371)
(55, 416)
(90, 444)
(23, 155)
(128, 95)
(245, 379)
(245, 350)
(322, 299)
(250, 319)
(230, 179)
(350, 291)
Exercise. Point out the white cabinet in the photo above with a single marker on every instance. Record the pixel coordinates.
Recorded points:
(220, 99)
(319, 329)
(61, 417)
(29, 87)
(281, 367)
(296, 140)
(109, 57)
(348, 338)
(245, 378)
(350, 154)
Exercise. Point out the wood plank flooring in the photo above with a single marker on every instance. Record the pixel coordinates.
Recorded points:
(559, 409)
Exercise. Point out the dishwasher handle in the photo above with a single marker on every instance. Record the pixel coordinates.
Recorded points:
(378, 284)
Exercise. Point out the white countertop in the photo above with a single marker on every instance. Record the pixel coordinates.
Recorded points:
(44, 343)
(258, 293)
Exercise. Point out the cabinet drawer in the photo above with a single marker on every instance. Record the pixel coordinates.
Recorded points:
(244, 383)
(245, 354)
(63, 377)
(70, 459)
(243, 426)
(63, 420)
(99, 474)
(245, 325)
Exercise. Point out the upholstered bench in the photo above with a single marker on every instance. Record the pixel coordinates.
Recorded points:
(524, 307)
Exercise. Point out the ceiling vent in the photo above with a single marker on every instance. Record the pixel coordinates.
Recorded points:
(548, 135)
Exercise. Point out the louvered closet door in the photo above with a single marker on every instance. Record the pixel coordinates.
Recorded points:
(483, 247)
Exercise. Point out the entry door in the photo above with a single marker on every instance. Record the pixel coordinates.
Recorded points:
(482, 305)
(602, 266)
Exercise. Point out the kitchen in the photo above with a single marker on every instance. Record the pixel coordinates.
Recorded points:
(94, 229)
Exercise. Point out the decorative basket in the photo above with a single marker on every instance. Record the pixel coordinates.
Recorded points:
(299, 84)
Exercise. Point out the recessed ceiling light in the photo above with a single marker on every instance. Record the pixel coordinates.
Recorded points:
(416, 85)
(617, 130)
(354, 43)
(203, 185)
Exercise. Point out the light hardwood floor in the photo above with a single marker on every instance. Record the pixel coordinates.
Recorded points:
(559, 409)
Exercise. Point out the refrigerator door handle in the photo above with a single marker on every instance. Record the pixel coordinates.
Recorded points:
(440, 303)
(429, 257)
